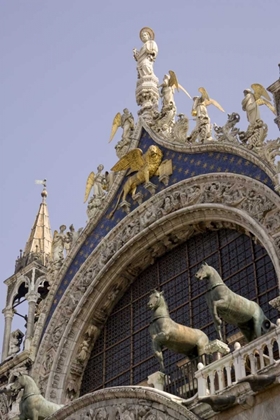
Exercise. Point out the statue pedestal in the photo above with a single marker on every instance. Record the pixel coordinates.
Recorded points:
(125, 206)
(138, 197)
(275, 303)
(150, 187)
(217, 348)
(157, 380)
(147, 96)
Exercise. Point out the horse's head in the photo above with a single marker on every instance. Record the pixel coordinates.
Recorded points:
(204, 272)
(17, 384)
(155, 300)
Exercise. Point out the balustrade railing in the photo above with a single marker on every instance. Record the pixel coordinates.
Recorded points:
(204, 376)
(243, 361)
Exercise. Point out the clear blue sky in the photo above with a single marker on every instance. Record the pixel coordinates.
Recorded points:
(67, 69)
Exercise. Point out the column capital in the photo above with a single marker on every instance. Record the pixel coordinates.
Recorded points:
(8, 312)
(32, 296)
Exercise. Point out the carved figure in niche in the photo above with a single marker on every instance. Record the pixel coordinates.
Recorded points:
(146, 166)
(16, 338)
(231, 307)
(33, 405)
(126, 121)
(149, 216)
(57, 334)
(58, 242)
(202, 131)
(47, 362)
(146, 56)
(252, 100)
(167, 333)
(192, 193)
(83, 352)
(167, 205)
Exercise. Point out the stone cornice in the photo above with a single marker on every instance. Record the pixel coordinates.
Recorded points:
(10, 363)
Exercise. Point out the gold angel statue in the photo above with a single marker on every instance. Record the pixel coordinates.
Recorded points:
(126, 121)
(144, 164)
(201, 102)
(168, 86)
(199, 111)
(96, 181)
(252, 100)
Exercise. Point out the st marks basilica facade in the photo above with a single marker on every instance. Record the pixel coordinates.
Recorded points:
(176, 201)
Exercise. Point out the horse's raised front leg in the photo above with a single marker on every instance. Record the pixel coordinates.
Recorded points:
(158, 354)
(217, 319)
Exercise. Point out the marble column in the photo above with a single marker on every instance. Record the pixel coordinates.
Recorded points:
(32, 298)
(8, 314)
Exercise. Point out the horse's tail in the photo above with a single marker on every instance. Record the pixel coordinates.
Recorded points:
(116, 206)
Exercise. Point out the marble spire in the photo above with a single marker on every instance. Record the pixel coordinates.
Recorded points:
(38, 245)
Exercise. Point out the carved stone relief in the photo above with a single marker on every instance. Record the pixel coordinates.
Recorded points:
(125, 403)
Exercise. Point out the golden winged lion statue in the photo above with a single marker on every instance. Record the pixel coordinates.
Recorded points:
(144, 164)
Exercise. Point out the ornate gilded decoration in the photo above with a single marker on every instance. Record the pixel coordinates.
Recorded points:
(126, 121)
(252, 100)
(202, 131)
(145, 164)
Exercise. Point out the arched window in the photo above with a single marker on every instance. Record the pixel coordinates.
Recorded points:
(122, 354)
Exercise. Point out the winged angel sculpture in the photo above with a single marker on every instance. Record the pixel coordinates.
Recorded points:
(168, 86)
(126, 121)
(199, 111)
(252, 100)
(165, 119)
(145, 165)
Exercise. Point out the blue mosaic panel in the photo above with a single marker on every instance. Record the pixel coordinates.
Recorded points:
(184, 166)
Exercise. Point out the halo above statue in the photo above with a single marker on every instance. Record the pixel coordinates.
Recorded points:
(149, 31)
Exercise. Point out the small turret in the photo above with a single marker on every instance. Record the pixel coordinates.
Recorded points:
(38, 246)
(28, 283)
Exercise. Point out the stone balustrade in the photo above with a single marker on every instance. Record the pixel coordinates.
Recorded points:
(253, 358)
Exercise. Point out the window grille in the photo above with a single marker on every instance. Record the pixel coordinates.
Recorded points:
(122, 354)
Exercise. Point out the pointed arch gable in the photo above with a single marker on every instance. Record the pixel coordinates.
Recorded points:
(149, 230)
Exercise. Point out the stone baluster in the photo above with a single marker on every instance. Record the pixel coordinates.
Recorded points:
(201, 381)
(270, 352)
(8, 314)
(228, 370)
(212, 382)
(239, 364)
(221, 382)
(253, 363)
(261, 358)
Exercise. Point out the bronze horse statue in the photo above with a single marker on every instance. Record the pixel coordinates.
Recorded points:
(166, 332)
(33, 406)
(224, 304)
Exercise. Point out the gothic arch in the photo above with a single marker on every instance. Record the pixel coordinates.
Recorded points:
(198, 207)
